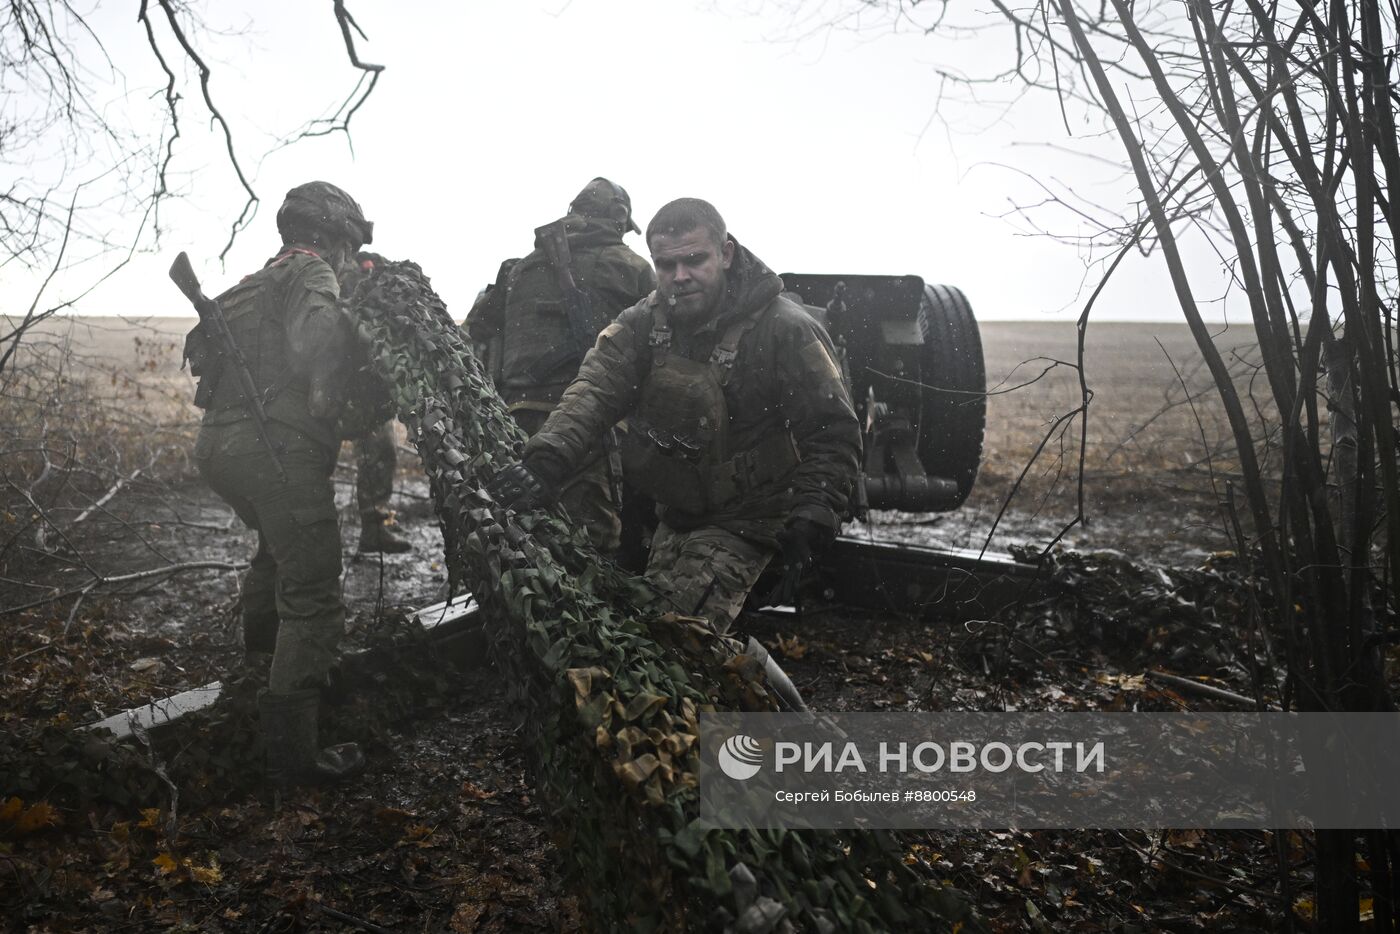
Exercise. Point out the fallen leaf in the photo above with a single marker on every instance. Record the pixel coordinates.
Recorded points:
(476, 793)
(791, 647)
(36, 817)
(165, 864)
(389, 815)
(1187, 839)
(419, 835)
(1123, 682)
(208, 875)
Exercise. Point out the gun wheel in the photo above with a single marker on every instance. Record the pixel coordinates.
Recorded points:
(953, 399)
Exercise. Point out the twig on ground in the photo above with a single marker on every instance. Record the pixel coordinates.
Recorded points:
(46, 520)
(73, 613)
(23, 656)
(1206, 689)
(102, 580)
(351, 919)
(1228, 884)
(107, 497)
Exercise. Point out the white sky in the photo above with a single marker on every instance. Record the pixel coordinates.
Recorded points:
(818, 147)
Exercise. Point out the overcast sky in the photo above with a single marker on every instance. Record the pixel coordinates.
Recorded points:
(823, 149)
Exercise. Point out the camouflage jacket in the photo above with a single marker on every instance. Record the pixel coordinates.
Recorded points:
(297, 341)
(784, 377)
(524, 308)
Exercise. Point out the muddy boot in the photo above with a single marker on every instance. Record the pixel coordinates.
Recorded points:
(294, 754)
(375, 535)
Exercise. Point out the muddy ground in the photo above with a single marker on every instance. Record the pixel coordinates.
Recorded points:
(443, 833)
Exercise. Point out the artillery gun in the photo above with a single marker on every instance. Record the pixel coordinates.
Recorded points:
(911, 355)
(912, 359)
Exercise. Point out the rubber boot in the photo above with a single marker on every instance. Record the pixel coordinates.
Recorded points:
(294, 753)
(375, 535)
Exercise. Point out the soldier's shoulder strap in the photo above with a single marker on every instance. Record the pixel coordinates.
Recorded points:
(727, 349)
(660, 338)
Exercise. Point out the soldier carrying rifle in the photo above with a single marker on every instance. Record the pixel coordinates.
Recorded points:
(543, 314)
(274, 356)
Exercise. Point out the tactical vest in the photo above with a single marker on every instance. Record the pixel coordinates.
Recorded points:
(253, 310)
(676, 447)
(537, 326)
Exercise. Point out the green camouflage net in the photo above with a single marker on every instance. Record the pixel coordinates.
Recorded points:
(612, 684)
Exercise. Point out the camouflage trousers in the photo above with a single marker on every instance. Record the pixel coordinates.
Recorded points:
(376, 459)
(291, 594)
(587, 497)
(706, 572)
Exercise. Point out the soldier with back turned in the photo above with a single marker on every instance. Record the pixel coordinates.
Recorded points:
(297, 340)
(523, 315)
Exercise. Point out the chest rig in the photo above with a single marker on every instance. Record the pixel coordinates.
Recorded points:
(677, 446)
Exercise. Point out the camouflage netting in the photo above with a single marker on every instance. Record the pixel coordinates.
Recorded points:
(612, 684)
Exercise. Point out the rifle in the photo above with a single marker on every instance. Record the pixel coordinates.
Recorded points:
(578, 305)
(210, 314)
(583, 327)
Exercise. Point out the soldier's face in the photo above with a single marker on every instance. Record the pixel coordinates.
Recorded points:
(690, 271)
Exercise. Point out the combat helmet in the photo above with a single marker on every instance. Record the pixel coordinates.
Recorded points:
(321, 206)
(604, 198)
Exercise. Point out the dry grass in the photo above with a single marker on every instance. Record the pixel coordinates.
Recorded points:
(92, 399)
(1154, 415)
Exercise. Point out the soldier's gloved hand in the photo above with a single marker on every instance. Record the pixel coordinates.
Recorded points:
(799, 540)
(517, 488)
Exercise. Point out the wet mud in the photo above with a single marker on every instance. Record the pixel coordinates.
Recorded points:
(443, 832)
